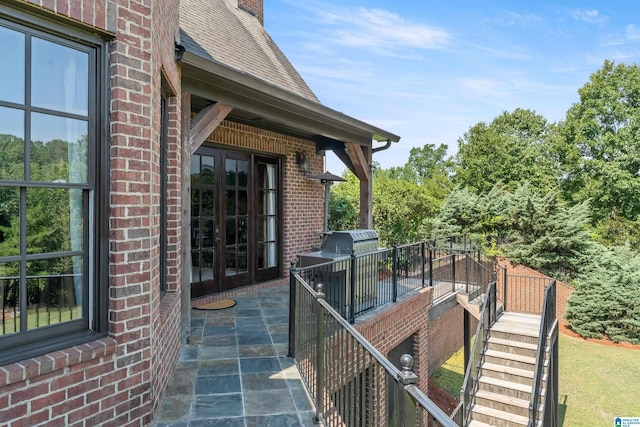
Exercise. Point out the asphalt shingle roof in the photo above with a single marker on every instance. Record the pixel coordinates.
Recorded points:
(219, 31)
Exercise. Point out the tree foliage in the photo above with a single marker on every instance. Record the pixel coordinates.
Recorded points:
(606, 302)
(539, 230)
(514, 148)
(600, 151)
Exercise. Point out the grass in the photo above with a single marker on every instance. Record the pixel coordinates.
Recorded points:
(597, 382)
(38, 318)
(450, 376)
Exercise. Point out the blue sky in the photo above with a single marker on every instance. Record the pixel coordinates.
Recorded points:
(429, 70)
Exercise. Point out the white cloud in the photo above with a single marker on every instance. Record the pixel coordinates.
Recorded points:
(515, 19)
(632, 32)
(380, 30)
(591, 16)
(479, 86)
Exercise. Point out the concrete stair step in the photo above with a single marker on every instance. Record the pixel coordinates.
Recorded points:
(520, 317)
(514, 333)
(507, 373)
(501, 402)
(507, 388)
(476, 423)
(510, 346)
(495, 417)
(510, 359)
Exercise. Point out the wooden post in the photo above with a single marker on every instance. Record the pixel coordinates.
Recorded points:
(185, 190)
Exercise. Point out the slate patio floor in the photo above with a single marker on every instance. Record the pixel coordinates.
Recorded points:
(234, 371)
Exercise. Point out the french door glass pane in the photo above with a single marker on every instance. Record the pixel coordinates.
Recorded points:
(195, 267)
(243, 174)
(230, 261)
(54, 291)
(231, 231)
(59, 77)
(271, 228)
(11, 142)
(243, 202)
(195, 169)
(9, 297)
(208, 202)
(12, 48)
(195, 201)
(195, 234)
(207, 171)
(207, 265)
(231, 202)
(58, 149)
(272, 257)
(243, 259)
(207, 234)
(243, 229)
(230, 169)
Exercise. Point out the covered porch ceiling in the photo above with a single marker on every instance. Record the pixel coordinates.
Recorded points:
(246, 99)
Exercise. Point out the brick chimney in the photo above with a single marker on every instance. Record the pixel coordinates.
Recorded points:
(254, 7)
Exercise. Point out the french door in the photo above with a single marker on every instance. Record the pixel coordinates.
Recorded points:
(235, 217)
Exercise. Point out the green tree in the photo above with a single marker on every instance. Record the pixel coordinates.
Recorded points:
(514, 148)
(606, 302)
(600, 153)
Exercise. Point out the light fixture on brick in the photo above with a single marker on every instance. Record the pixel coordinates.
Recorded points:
(303, 162)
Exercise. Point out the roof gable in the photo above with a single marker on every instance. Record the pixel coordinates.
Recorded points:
(219, 31)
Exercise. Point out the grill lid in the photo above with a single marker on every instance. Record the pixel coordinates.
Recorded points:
(348, 241)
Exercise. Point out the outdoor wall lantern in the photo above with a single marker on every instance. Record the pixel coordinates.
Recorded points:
(303, 162)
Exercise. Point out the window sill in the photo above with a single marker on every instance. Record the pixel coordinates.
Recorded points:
(56, 361)
(167, 304)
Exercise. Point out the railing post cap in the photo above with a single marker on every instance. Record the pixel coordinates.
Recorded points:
(320, 290)
(407, 376)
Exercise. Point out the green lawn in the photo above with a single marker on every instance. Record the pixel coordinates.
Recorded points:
(597, 382)
(450, 376)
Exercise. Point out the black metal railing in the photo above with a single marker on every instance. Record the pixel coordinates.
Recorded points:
(49, 299)
(544, 397)
(350, 382)
(522, 294)
(359, 283)
(472, 374)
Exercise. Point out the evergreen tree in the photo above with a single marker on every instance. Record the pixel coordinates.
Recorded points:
(606, 302)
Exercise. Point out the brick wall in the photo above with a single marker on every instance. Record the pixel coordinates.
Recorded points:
(254, 6)
(532, 291)
(407, 318)
(119, 380)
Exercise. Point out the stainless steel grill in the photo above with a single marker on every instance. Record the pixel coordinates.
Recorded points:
(337, 277)
(351, 241)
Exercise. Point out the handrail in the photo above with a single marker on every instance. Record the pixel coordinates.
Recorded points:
(322, 335)
(472, 372)
(548, 325)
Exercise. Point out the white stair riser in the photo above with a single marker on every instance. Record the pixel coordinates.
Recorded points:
(494, 421)
(505, 348)
(508, 362)
(502, 406)
(514, 337)
(524, 395)
(506, 376)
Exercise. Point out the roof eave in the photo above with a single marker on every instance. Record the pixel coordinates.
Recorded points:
(237, 88)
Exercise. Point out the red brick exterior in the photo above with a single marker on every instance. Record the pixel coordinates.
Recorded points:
(407, 318)
(563, 290)
(254, 6)
(121, 379)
